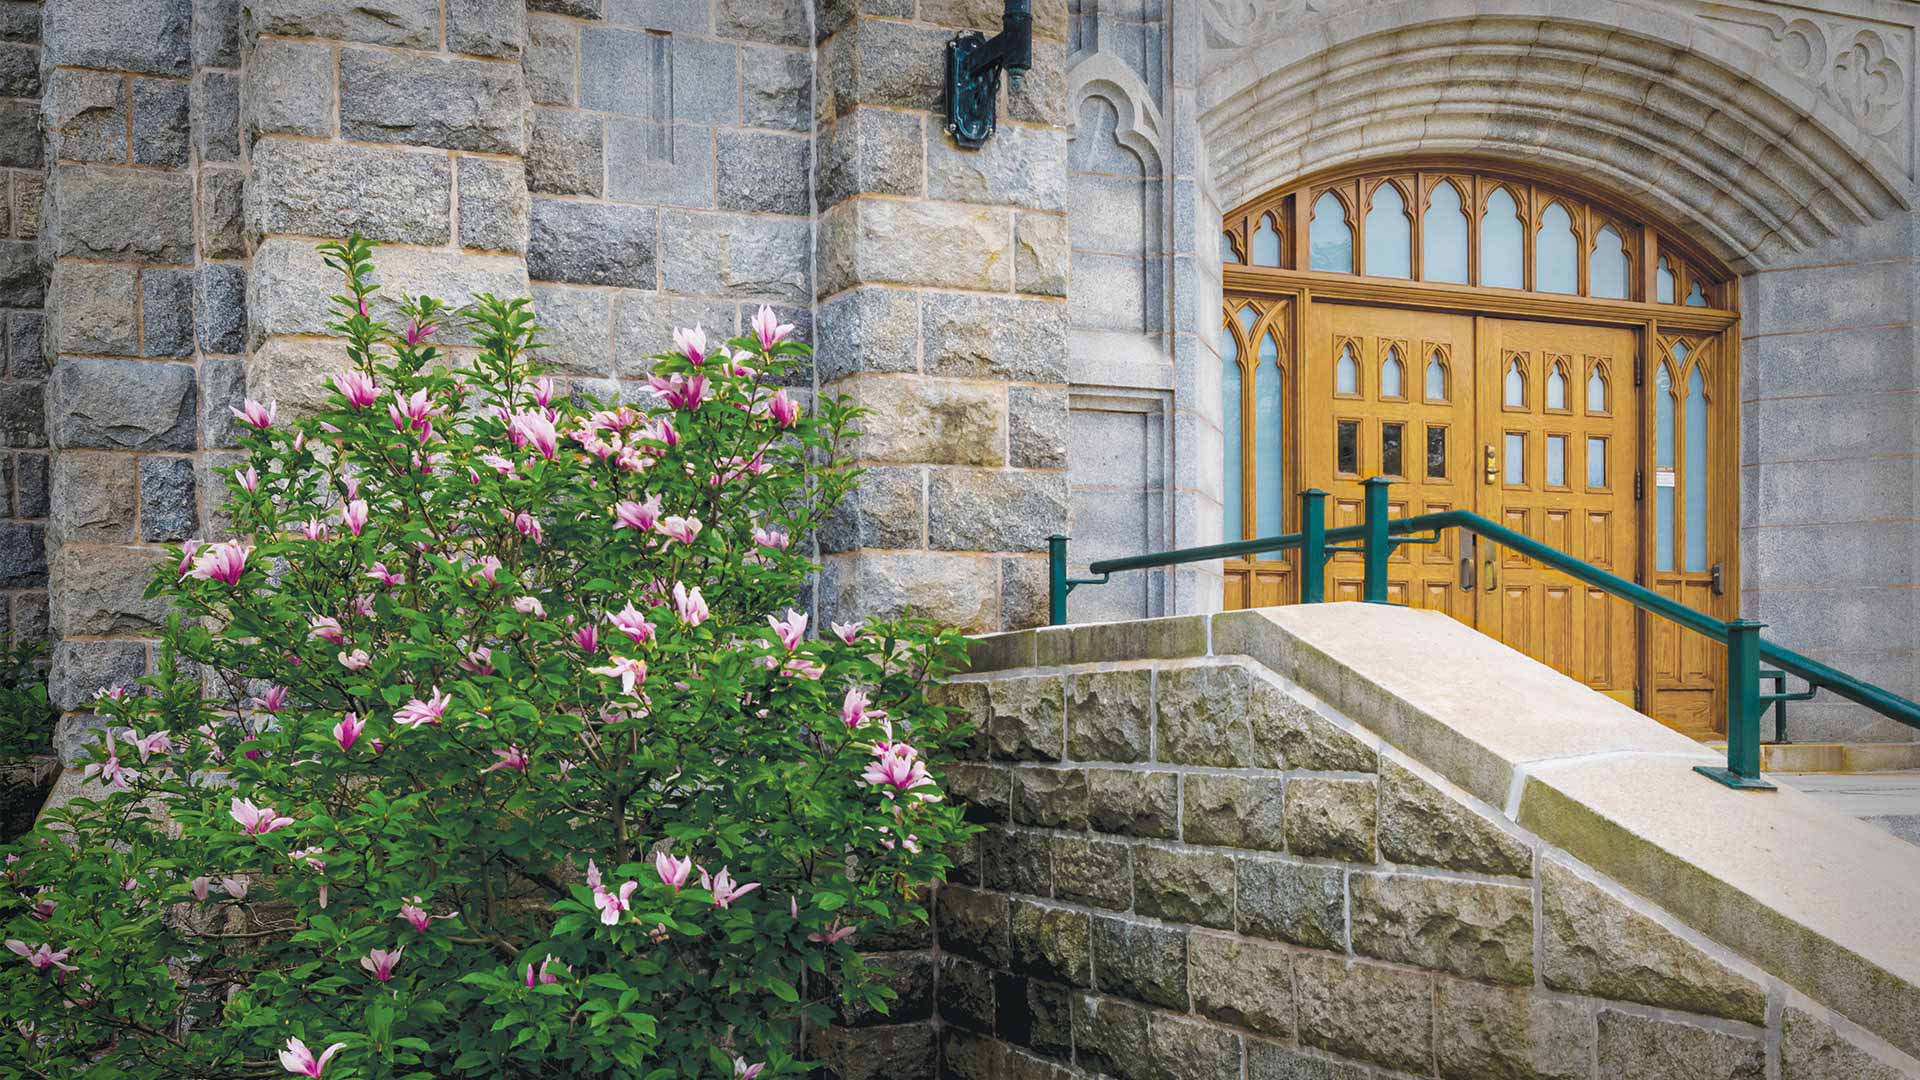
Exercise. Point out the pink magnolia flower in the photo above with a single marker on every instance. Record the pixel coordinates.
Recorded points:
(357, 660)
(724, 890)
(671, 870)
(43, 905)
(110, 771)
(309, 855)
(42, 956)
(299, 1060)
(326, 628)
(543, 977)
(691, 344)
(354, 514)
(255, 415)
(222, 562)
(489, 569)
(638, 516)
(236, 887)
(799, 667)
(529, 526)
(359, 389)
(347, 731)
(847, 632)
(386, 577)
(610, 904)
(744, 1071)
(160, 742)
(898, 769)
(680, 392)
(314, 529)
(418, 332)
(771, 539)
(503, 466)
(416, 915)
(683, 529)
(478, 662)
(410, 412)
(381, 962)
(587, 637)
(533, 428)
(249, 479)
(791, 630)
(629, 671)
(768, 328)
(530, 605)
(273, 700)
(783, 409)
(188, 551)
(511, 758)
(363, 605)
(689, 604)
(417, 713)
(854, 708)
(633, 624)
(256, 820)
(543, 391)
(834, 935)
(200, 886)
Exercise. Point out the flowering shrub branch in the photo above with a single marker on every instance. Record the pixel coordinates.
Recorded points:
(488, 743)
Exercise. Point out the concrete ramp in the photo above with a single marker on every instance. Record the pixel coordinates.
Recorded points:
(1323, 840)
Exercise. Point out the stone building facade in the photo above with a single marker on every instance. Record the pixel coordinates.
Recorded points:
(1036, 323)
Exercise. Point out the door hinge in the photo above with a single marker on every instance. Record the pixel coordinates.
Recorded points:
(1639, 370)
(1639, 484)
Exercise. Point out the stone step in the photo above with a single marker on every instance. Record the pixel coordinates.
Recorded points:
(1836, 757)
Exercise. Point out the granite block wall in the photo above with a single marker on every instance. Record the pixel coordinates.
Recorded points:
(23, 366)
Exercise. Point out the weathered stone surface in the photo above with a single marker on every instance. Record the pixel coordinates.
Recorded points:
(166, 312)
(1094, 872)
(332, 189)
(994, 337)
(30, 616)
(1648, 1049)
(23, 414)
(19, 71)
(28, 189)
(223, 386)
(160, 137)
(23, 555)
(910, 976)
(1292, 901)
(763, 172)
(1333, 818)
(1472, 928)
(289, 286)
(1017, 860)
(1183, 886)
(552, 61)
(1274, 1061)
(584, 9)
(216, 33)
(289, 89)
(590, 244)
(91, 309)
(871, 151)
(930, 422)
(970, 510)
(86, 116)
(76, 738)
(1421, 825)
(121, 404)
(1288, 734)
(96, 592)
(1812, 1049)
(1026, 720)
(1052, 943)
(82, 668)
(222, 214)
(644, 322)
(30, 485)
(906, 1051)
(867, 240)
(1037, 418)
(966, 994)
(409, 23)
(1232, 811)
(1186, 1049)
(776, 88)
(168, 510)
(985, 792)
(294, 373)
(974, 923)
(153, 37)
(1241, 982)
(1020, 166)
(1134, 803)
(956, 590)
(118, 215)
(1110, 1036)
(1023, 591)
(873, 329)
(93, 498)
(668, 165)
(26, 344)
(22, 284)
(1041, 254)
(24, 785)
(1201, 715)
(777, 23)
(494, 208)
(718, 255)
(1594, 942)
(1140, 961)
(1108, 715)
(1380, 1014)
(219, 306)
(884, 511)
(1487, 1033)
(1050, 798)
(565, 153)
(496, 28)
(425, 101)
(1034, 1014)
(20, 143)
(890, 64)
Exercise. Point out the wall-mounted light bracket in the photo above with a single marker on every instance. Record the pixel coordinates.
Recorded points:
(974, 63)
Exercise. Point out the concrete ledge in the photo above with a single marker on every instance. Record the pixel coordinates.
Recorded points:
(1173, 638)
(1837, 757)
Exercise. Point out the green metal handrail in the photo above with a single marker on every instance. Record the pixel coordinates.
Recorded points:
(1379, 534)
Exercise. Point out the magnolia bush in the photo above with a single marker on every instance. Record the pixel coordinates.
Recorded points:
(488, 743)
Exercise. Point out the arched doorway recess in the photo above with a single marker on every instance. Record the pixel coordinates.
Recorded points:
(1505, 340)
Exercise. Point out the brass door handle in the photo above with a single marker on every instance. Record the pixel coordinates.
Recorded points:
(1493, 464)
(1468, 561)
(1493, 568)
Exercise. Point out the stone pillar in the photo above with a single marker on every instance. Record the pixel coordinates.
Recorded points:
(942, 286)
(23, 369)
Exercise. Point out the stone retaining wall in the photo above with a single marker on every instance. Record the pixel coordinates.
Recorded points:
(23, 370)
(1195, 868)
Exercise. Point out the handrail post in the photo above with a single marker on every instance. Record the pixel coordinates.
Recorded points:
(1376, 545)
(1313, 548)
(1056, 580)
(1743, 709)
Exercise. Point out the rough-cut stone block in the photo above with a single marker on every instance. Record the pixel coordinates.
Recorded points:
(1037, 418)
(222, 214)
(1133, 803)
(902, 1051)
(1023, 591)
(23, 415)
(762, 172)
(1288, 734)
(1594, 942)
(1488, 1033)
(1274, 1061)
(1050, 798)
(1052, 943)
(1108, 715)
(1110, 1037)
(643, 323)
(884, 511)
(153, 37)
(1421, 825)
(31, 485)
(290, 89)
(1292, 901)
(966, 994)
(577, 330)
(288, 290)
(870, 329)
(1183, 886)
(726, 255)
(496, 28)
(1093, 872)
(425, 101)
(1232, 811)
(1041, 254)
(1648, 1049)
(1471, 928)
(23, 555)
(1020, 166)
(25, 345)
(1380, 1014)
(1812, 1049)
(166, 312)
(220, 307)
(20, 21)
(669, 165)
(97, 592)
(93, 498)
(929, 422)
(868, 240)
(871, 151)
(957, 590)
(168, 504)
(994, 337)
(30, 616)
(22, 284)
(1241, 982)
(591, 244)
(1140, 961)
(1201, 716)
(91, 309)
(19, 71)
(974, 923)
(985, 792)
(86, 116)
(777, 23)
(971, 510)
(409, 23)
(24, 785)
(1034, 1014)
(330, 190)
(223, 386)
(216, 33)
(1332, 818)
(890, 64)
(216, 121)
(83, 668)
(294, 373)
(582, 9)
(20, 143)
(117, 215)
(552, 62)
(121, 404)
(776, 88)
(1026, 718)
(1017, 860)
(494, 209)
(1186, 1049)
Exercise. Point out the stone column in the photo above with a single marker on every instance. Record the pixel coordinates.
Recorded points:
(23, 369)
(942, 286)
